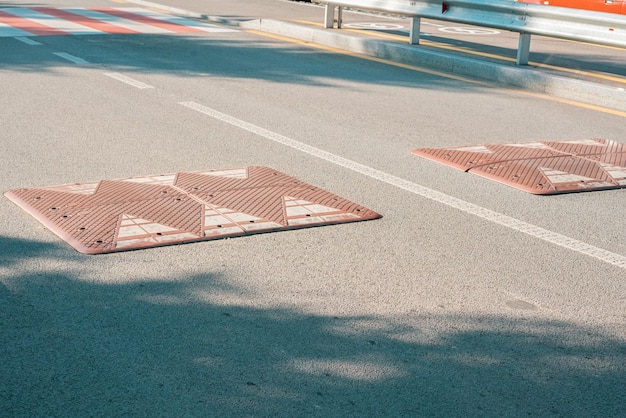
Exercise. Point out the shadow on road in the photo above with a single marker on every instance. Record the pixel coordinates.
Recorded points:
(192, 56)
(171, 348)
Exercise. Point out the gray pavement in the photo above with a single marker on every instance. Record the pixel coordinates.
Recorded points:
(437, 309)
(571, 71)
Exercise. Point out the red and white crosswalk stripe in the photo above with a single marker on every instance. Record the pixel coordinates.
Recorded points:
(49, 21)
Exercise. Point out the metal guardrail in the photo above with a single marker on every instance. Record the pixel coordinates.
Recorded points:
(523, 18)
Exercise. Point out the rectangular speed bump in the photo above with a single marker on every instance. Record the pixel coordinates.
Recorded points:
(550, 167)
(149, 211)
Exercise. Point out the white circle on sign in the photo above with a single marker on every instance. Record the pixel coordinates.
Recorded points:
(372, 26)
(469, 31)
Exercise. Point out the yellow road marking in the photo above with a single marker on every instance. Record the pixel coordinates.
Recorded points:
(616, 79)
(370, 58)
(440, 73)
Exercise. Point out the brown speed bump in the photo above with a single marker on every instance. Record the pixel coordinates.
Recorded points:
(149, 211)
(541, 167)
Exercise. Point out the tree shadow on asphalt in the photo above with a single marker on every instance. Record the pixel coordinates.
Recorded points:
(264, 59)
(169, 348)
(196, 56)
(15, 250)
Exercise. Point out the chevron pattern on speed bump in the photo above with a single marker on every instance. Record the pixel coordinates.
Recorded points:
(150, 211)
(541, 167)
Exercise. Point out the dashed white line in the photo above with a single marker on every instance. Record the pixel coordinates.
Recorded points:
(484, 213)
(129, 81)
(71, 58)
(27, 40)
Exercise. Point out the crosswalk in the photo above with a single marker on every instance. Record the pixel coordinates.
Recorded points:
(49, 21)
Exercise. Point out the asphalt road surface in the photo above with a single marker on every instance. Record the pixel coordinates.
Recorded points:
(467, 298)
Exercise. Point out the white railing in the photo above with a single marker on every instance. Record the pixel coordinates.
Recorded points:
(523, 18)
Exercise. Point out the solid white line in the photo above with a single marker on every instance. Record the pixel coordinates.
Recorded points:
(129, 81)
(484, 213)
(27, 40)
(69, 57)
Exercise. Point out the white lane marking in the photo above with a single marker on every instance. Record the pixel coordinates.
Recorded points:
(69, 57)
(484, 213)
(129, 81)
(468, 31)
(177, 20)
(373, 26)
(27, 40)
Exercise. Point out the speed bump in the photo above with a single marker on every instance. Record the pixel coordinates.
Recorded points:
(545, 168)
(149, 211)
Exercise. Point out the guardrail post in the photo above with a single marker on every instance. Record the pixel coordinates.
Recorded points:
(329, 16)
(523, 49)
(414, 35)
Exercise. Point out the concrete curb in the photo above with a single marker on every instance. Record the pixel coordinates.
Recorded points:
(526, 78)
(519, 77)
